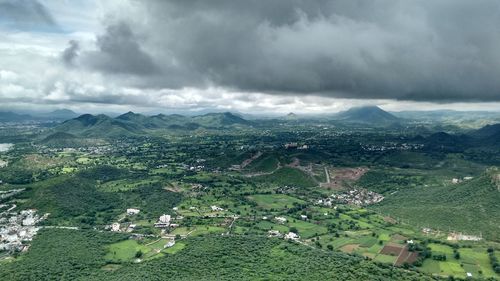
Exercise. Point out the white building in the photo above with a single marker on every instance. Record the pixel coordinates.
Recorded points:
(163, 221)
(216, 209)
(280, 219)
(28, 221)
(115, 227)
(292, 236)
(132, 211)
(274, 233)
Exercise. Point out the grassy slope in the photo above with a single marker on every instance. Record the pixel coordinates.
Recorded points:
(78, 199)
(288, 176)
(470, 207)
(266, 163)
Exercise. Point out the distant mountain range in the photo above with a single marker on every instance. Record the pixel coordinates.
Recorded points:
(9, 116)
(56, 115)
(134, 124)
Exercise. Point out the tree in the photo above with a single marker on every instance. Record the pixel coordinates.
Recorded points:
(294, 229)
(329, 247)
(138, 254)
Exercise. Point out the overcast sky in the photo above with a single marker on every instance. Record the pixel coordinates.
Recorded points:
(251, 56)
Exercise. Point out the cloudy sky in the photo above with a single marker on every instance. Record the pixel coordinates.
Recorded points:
(249, 56)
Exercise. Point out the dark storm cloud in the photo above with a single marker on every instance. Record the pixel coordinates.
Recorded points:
(70, 54)
(380, 49)
(25, 14)
(120, 52)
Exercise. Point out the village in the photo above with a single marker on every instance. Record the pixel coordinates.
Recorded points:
(17, 229)
(393, 146)
(357, 196)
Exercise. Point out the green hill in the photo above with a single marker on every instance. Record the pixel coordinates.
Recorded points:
(488, 135)
(217, 120)
(62, 139)
(88, 125)
(472, 206)
(133, 124)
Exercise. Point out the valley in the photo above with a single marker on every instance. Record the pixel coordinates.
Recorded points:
(156, 196)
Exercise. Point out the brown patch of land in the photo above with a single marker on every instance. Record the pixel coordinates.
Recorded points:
(340, 177)
(391, 249)
(349, 248)
(406, 256)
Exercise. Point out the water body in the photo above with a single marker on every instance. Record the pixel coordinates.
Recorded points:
(5, 146)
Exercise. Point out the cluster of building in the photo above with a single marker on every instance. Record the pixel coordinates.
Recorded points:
(392, 146)
(294, 145)
(3, 163)
(360, 197)
(327, 202)
(93, 150)
(197, 168)
(285, 189)
(289, 236)
(16, 229)
(165, 221)
(9, 193)
(457, 180)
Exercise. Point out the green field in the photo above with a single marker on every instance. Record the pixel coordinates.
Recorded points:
(125, 251)
(275, 201)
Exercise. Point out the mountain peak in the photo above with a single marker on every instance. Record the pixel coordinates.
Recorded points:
(131, 116)
(367, 114)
